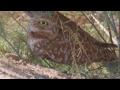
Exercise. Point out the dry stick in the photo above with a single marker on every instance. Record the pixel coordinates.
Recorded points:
(114, 29)
(102, 27)
(10, 45)
(119, 24)
(113, 20)
(119, 42)
(110, 33)
(93, 26)
(17, 21)
(75, 36)
(119, 32)
(115, 32)
(110, 23)
(48, 63)
(111, 38)
(8, 41)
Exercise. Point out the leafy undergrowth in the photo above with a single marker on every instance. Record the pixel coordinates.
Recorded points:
(13, 38)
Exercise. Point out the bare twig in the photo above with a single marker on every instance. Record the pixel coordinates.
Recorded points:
(48, 63)
(113, 29)
(111, 37)
(110, 33)
(111, 24)
(17, 21)
(94, 26)
(102, 27)
(119, 34)
(113, 20)
(119, 24)
(10, 45)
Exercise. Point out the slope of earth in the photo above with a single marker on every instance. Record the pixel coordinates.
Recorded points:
(11, 69)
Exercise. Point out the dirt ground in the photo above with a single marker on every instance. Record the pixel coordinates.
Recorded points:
(12, 69)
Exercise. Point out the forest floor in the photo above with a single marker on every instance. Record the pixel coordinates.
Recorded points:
(12, 69)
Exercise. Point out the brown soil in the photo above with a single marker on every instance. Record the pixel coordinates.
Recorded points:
(12, 69)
